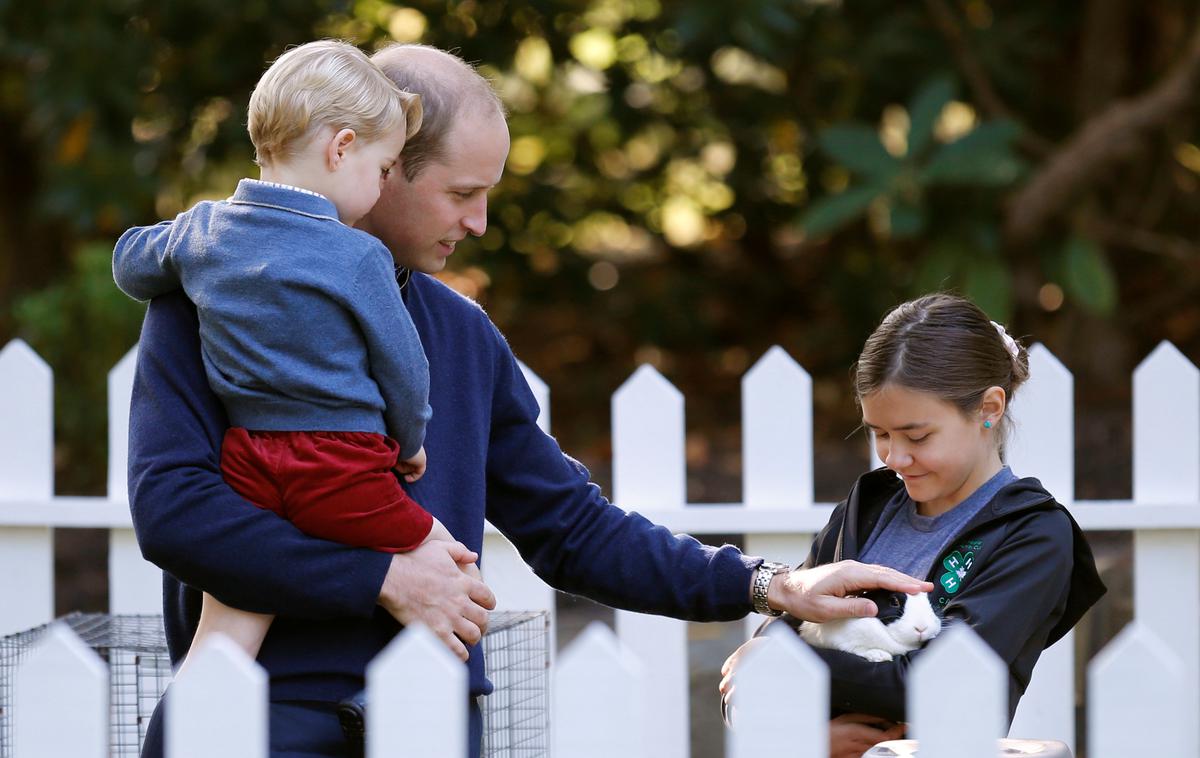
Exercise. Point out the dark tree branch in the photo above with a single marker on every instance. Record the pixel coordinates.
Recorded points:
(1102, 143)
(976, 76)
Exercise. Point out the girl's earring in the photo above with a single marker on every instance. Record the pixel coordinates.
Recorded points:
(987, 424)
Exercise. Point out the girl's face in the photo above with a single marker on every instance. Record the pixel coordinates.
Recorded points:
(942, 455)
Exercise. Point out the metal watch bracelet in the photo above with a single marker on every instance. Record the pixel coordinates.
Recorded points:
(763, 575)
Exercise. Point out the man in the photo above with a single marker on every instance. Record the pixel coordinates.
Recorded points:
(336, 606)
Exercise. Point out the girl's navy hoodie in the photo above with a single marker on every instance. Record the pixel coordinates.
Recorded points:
(1020, 574)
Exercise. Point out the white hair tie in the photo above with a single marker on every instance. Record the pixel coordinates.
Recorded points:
(1010, 344)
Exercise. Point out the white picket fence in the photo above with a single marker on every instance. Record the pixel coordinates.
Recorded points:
(625, 694)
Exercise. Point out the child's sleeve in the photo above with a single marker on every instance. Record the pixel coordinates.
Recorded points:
(398, 362)
(142, 265)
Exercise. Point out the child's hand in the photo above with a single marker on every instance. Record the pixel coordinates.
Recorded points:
(412, 468)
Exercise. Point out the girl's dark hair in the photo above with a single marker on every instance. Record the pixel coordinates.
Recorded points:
(944, 345)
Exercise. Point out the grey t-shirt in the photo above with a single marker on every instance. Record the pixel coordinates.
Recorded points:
(909, 542)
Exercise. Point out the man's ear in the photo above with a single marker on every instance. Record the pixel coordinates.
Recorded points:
(335, 148)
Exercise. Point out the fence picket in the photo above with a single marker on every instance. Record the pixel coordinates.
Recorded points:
(134, 584)
(218, 706)
(1147, 718)
(781, 701)
(63, 692)
(599, 705)
(958, 697)
(649, 471)
(517, 588)
(777, 454)
(661, 646)
(1042, 445)
(27, 473)
(1166, 469)
(417, 691)
(541, 392)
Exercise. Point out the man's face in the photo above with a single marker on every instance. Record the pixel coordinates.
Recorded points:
(421, 221)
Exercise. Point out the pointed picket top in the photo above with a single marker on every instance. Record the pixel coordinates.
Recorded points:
(957, 716)
(61, 699)
(541, 392)
(1166, 428)
(599, 710)
(781, 700)
(120, 390)
(649, 470)
(218, 706)
(417, 695)
(1136, 703)
(27, 431)
(660, 644)
(1047, 709)
(777, 447)
(1042, 441)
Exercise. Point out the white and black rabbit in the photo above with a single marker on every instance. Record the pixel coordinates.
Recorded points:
(903, 624)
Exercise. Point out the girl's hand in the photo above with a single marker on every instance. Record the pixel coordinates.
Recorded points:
(413, 468)
(852, 734)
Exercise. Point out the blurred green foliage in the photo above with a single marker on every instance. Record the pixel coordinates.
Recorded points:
(689, 183)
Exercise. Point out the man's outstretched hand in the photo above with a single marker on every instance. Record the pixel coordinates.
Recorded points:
(439, 585)
(819, 594)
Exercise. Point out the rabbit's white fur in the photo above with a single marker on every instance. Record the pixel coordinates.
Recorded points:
(869, 638)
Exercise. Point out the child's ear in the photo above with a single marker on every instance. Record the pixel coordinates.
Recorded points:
(335, 148)
(992, 407)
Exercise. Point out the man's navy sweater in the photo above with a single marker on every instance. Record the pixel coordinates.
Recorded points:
(487, 458)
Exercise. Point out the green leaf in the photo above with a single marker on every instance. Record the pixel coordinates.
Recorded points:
(924, 110)
(1089, 279)
(989, 284)
(905, 219)
(982, 158)
(857, 147)
(835, 211)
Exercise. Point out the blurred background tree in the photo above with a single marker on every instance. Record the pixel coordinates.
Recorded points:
(689, 184)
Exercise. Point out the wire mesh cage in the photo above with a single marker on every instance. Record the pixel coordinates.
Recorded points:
(135, 649)
(515, 716)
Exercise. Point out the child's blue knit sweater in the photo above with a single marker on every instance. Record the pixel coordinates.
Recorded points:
(302, 324)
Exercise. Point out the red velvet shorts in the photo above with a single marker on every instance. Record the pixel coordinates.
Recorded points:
(338, 486)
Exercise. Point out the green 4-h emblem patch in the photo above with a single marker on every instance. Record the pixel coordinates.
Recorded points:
(957, 565)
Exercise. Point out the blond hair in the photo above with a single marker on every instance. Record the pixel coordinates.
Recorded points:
(327, 83)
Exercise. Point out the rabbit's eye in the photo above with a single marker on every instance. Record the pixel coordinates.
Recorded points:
(895, 602)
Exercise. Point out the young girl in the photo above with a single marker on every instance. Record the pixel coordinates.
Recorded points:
(934, 382)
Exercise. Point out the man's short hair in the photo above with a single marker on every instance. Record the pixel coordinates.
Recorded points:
(450, 89)
(327, 83)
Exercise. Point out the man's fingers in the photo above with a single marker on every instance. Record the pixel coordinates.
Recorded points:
(482, 595)
(829, 608)
(890, 579)
(454, 643)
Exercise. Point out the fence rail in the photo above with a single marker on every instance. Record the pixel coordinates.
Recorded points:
(1151, 670)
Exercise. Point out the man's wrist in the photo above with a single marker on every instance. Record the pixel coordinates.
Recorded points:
(762, 582)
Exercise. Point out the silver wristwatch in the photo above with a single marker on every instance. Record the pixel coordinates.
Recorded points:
(763, 575)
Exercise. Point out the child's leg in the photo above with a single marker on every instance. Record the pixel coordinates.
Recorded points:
(246, 629)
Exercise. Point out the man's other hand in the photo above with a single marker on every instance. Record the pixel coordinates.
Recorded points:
(439, 585)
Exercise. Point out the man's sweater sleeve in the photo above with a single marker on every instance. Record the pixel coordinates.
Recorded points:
(190, 523)
(398, 363)
(142, 265)
(577, 541)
